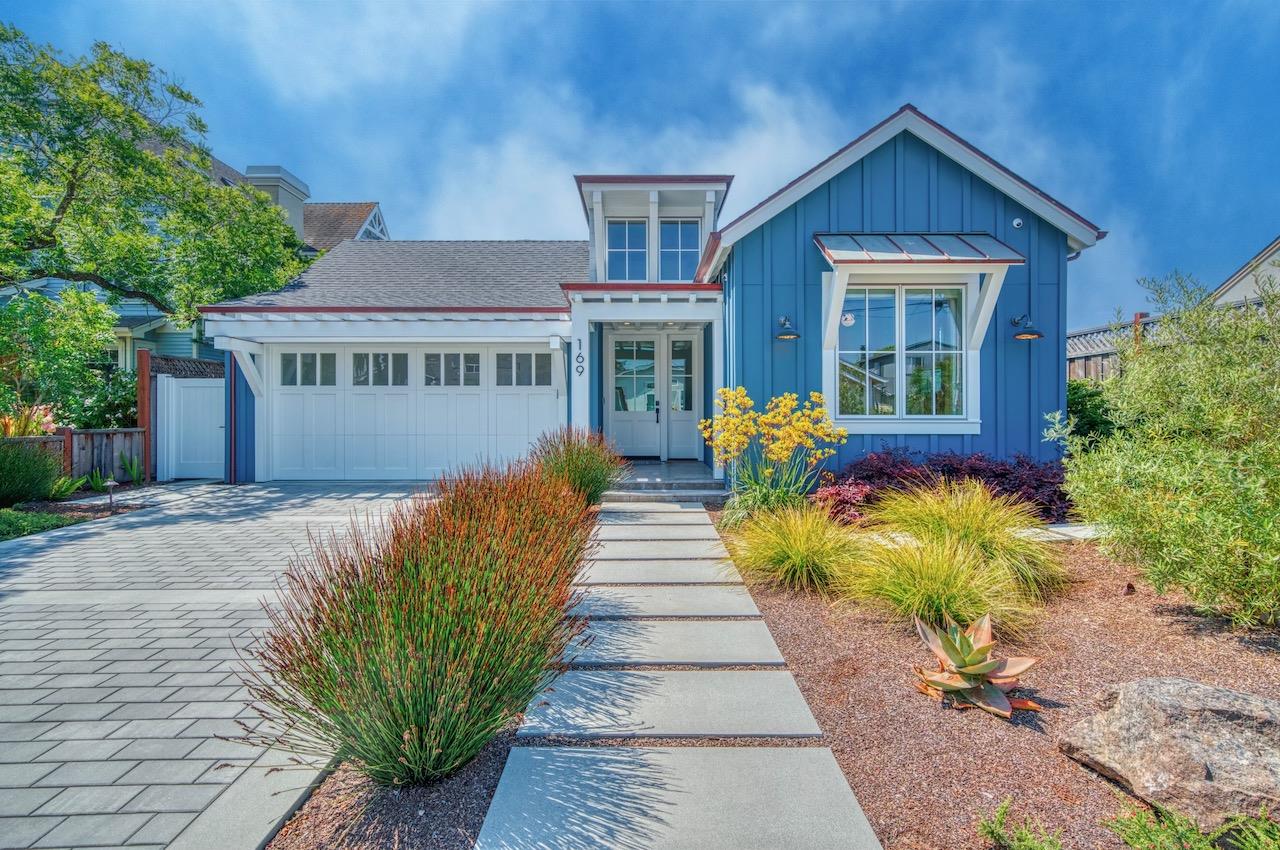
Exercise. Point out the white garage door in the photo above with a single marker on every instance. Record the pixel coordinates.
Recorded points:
(378, 411)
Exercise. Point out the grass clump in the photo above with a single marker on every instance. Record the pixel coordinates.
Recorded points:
(27, 473)
(21, 523)
(408, 644)
(938, 580)
(1166, 830)
(967, 513)
(1026, 835)
(799, 547)
(583, 458)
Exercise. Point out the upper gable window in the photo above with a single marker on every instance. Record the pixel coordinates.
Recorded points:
(678, 250)
(628, 249)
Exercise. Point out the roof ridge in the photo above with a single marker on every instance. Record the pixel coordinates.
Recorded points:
(467, 241)
(339, 203)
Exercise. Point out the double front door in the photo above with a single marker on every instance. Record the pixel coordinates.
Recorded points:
(653, 387)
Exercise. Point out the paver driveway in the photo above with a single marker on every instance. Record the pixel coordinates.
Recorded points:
(117, 668)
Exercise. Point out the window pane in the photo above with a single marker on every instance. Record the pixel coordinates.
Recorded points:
(682, 392)
(453, 370)
(400, 370)
(949, 394)
(471, 370)
(681, 356)
(381, 369)
(636, 265)
(504, 370)
(688, 264)
(542, 370)
(360, 370)
(919, 320)
(308, 369)
(644, 358)
(328, 370)
(617, 234)
(689, 235)
(288, 370)
(882, 380)
(636, 234)
(853, 321)
(919, 384)
(670, 269)
(431, 370)
(669, 233)
(622, 393)
(948, 319)
(853, 384)
(882, 320)
(617, 265)
(524, 370)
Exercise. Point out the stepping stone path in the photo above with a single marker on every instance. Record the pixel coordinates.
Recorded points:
(675, 649)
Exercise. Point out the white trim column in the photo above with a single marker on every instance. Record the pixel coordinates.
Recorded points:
(580, 371)
(651, 248)
(717, 378)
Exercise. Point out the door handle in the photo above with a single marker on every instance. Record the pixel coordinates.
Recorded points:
(657, 411)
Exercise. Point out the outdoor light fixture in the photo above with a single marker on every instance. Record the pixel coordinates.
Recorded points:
(1025, 329)
(786, 330)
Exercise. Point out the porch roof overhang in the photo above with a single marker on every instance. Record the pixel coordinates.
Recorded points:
(642, 293)
(976, 260)
(350, 325)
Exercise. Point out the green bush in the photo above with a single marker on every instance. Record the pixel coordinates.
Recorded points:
(113, 403)
(1088, 410)
(20, 523)
(1020, 836)
(1188, 485)
(967, 513)
(27, 473)
(407, 645)
(801, 548)
(583, 458)
(1165, 830)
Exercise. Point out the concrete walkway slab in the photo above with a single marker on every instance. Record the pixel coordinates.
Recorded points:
(655, 532)
(611, 516)
(612, 602)
(674, 704)
(691, 507)
(705, 643)
(674, 798)
(705, 571)
(673, 550)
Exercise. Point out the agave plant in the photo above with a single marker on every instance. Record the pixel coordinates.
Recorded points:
(966, 671)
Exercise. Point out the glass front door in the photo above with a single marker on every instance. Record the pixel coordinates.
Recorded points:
(653, 405)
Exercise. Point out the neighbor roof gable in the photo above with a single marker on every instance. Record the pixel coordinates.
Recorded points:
(1249, 268)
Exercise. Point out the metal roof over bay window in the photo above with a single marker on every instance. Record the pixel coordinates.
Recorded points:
(962, 248)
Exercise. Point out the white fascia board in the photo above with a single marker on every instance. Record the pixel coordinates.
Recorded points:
(630, 311)
(338, 330)
(228, 343)
(1080, 236)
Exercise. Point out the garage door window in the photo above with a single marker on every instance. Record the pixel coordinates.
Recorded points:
(308, 369)
(451, 370)
(524, 370)
(380, 369)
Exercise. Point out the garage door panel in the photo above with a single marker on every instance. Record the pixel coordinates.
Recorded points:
(395, 414)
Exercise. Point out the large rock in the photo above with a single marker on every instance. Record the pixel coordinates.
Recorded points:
(1203, 751)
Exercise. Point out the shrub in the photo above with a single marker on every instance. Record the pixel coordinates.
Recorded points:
(1019, 836)
(1088, 411)
(112, 404)
(27, 473)
(967, 513)
(1188, 485)
(799, 548)
(27, 420)
(845, 501)
(406, 646)
(1166, 830)
(581, 457)
(935, 580)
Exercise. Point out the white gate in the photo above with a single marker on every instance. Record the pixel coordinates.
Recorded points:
(190, 427)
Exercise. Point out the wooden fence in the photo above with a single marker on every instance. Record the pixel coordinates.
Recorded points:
(95, 448)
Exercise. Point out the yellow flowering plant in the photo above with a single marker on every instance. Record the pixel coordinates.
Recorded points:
(774, 453)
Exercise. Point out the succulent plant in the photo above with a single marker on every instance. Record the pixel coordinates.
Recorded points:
(966, 671)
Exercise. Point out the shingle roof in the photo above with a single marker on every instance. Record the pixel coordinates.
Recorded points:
(399, 274)
(326, 224)
(1102, 338)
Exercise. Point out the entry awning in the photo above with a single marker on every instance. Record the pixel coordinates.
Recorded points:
(842, 249)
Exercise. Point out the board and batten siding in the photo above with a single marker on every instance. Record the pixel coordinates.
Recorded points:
(904, 185)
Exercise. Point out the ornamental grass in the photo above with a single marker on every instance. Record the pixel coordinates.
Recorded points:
(583, 458)
(405, 646)
(799, 548)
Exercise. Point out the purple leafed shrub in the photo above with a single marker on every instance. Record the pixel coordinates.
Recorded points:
(897, 469)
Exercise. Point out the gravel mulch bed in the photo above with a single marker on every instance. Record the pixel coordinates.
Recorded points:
(354, 813)
(925, 775)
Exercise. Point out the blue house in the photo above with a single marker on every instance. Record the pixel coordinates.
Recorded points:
(916, 283)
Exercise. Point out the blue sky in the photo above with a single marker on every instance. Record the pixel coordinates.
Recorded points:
(1158, 121)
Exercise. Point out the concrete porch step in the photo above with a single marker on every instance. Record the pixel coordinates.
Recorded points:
(669, 496)
(659, 486)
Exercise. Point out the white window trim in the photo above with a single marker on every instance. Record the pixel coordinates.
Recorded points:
(648, 240)
(979, 303)
(697, 248)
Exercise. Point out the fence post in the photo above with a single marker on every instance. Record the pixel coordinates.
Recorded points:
(67, 447)
(144, 409)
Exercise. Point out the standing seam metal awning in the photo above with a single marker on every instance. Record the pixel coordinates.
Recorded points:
(924, 248)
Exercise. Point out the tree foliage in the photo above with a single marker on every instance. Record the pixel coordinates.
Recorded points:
(1188, 484)
(104, 179)
(49, 348)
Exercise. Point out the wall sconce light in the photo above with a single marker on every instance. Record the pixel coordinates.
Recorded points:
(1025, 328)
(786, 330)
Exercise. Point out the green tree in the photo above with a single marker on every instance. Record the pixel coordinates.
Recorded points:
(104, 179)
(50, 348)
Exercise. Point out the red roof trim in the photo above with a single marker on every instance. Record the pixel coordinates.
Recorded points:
(640, 286)
(218, 308)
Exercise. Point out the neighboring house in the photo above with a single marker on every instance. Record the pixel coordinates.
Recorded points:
(916, 283)
(1091, 352)
(319, 225)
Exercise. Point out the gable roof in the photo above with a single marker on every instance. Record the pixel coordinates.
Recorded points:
(1081, 233)
(1250, 267)
(447, 276)
(325, 224)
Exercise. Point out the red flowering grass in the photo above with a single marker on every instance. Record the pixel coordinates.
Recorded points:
(406, 646)
(582, 457)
